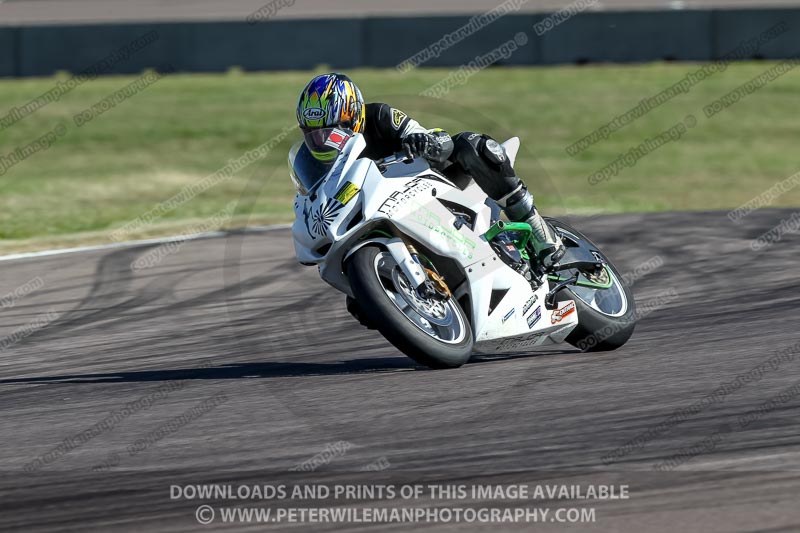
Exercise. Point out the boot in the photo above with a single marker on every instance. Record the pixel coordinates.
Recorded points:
(547, 244)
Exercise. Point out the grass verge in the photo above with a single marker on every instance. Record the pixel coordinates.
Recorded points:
(97, 177)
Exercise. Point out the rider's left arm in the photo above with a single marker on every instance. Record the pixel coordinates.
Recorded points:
(398, 126)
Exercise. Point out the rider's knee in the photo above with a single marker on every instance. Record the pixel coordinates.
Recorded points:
(478, 150)
(486, 161)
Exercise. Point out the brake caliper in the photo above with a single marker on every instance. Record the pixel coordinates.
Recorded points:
(439, 286)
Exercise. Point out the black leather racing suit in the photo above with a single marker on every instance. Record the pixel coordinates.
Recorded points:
(464, 156)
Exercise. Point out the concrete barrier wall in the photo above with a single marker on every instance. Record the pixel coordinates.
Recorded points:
(630, 36)
(696, 35)
(8, 52)
(192, 47)
(390, 41)
(733, 27)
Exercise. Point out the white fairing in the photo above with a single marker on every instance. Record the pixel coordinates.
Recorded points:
(339, 216)
(511, 147)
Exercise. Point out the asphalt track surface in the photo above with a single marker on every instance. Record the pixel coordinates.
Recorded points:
(73, 11)
(235, 319)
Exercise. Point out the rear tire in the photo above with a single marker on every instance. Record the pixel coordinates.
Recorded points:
(590, 333)
(596, 331)
(372, 297)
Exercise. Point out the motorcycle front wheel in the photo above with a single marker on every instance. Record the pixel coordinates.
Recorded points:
(432, 332)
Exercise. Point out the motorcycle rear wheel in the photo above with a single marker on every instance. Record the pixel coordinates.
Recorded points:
(606, 317)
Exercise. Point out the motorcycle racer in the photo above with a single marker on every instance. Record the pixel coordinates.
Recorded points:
(333, 101)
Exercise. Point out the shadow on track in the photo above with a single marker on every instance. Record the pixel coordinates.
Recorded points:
(370, 365)
(234, 371)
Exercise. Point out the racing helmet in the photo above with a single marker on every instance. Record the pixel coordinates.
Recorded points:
(328, 103)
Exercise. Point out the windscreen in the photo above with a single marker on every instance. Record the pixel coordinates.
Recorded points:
(310, 162)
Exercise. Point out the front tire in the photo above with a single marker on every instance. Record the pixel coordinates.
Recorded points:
(435, 334)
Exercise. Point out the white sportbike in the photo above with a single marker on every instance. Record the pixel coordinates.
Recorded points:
(437, 271)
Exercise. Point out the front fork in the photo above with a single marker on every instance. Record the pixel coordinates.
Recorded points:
(426, 282)
(410, 266)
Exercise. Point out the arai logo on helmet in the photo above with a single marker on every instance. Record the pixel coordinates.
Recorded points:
(314, 113)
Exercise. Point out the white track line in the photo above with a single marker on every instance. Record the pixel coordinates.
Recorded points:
(710, 465)
(126, 244)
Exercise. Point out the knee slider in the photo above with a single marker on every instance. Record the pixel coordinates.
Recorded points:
(481, 154)
(494, 152)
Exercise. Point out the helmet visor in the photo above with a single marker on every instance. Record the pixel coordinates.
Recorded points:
(325, 144)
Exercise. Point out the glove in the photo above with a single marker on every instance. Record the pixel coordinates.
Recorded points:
(420, 145)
